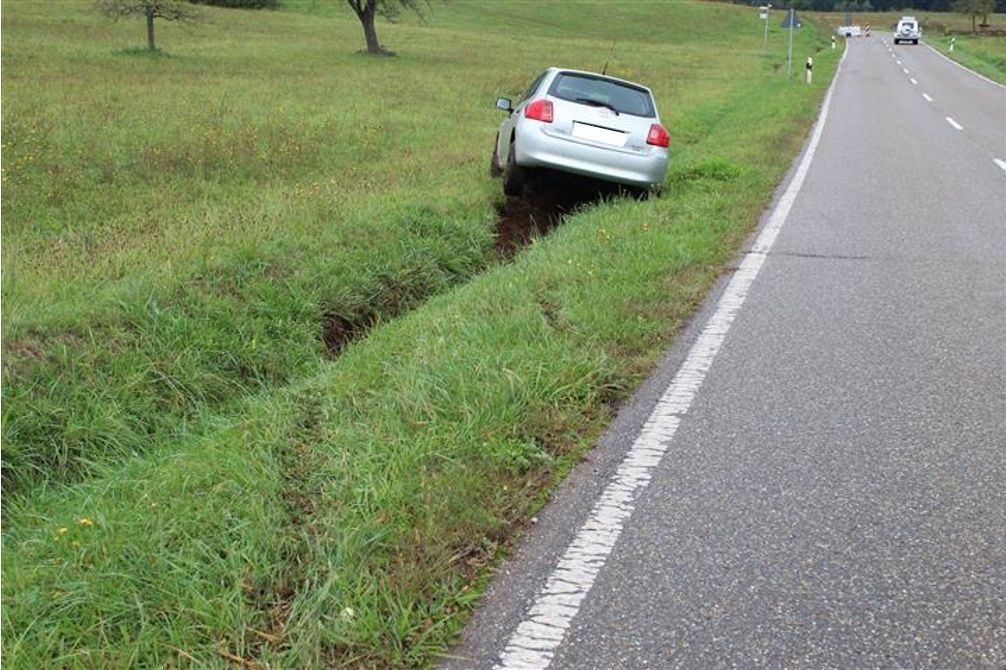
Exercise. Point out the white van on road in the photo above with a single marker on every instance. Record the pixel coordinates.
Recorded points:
(907, 30)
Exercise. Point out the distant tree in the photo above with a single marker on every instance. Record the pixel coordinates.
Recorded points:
(974, 9)
(169, 10)
(367, 11)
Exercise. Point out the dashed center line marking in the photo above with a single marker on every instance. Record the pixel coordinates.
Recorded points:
(1000, 163)
(905, 70)
(927, 97)
(953, 123)
(898, 62)
(913, 80)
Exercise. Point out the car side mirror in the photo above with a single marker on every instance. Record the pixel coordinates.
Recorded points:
(504, 104)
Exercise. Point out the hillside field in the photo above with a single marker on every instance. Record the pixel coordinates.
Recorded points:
(273, 394)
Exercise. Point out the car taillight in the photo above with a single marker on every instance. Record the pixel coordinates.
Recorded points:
(539, 110)
(658, 136)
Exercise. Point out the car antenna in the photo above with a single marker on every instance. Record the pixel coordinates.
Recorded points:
(605, 69)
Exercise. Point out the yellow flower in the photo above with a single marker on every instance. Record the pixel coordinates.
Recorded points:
(86, 522)
(63, 530)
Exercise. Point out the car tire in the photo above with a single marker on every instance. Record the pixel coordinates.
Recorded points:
(514, 176)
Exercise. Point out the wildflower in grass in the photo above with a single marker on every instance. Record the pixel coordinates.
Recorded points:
(63, 530)
(85, 522)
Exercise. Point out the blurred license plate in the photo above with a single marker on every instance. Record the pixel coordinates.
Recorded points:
(598, 134)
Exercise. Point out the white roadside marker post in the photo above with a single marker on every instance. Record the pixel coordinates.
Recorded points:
(810, 69)
(763, 15)
(832, 42)
(789, 59)
(953, 41)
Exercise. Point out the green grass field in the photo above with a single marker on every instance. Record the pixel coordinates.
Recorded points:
(191, 478)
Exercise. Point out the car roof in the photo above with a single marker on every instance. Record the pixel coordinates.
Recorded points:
(566, 70)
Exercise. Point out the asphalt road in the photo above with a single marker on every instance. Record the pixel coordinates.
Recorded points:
(833, 492)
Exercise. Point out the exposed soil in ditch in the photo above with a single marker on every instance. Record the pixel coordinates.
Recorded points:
(338, 331)
(542, 207)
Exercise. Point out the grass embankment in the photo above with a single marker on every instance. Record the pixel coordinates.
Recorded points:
(189, 479)
(984, 54)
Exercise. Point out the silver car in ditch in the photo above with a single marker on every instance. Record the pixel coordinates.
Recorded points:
(582, 123)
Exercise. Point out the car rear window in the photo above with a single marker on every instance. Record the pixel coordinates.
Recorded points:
(585, 89)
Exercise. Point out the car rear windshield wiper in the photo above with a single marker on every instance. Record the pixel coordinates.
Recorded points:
(597, 103)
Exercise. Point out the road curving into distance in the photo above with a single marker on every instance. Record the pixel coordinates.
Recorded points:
(816, 476)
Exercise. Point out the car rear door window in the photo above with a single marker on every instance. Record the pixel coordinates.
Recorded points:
(532, 88)
(587, 90)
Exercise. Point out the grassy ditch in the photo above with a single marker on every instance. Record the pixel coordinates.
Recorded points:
(194, 475)
(984, 54)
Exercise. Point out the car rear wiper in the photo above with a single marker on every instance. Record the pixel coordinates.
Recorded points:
(597, 103)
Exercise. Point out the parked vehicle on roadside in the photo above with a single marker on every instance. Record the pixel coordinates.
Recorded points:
(907, 30)
(582, 123)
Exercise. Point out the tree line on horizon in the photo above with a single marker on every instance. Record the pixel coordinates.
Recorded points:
(958, 6)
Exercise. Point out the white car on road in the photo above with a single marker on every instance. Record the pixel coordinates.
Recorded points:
(907, 30)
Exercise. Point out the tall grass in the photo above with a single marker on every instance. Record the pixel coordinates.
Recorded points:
(189, 479)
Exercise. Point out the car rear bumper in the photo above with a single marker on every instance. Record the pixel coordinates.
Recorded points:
(538, 146)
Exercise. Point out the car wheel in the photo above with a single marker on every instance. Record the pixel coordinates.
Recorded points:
(514, 176)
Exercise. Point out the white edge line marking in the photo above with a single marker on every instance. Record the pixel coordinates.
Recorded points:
(915, 82)
(533, 643)
(967, 69)
(927, 97)
(953, 123)
(1000, 163)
